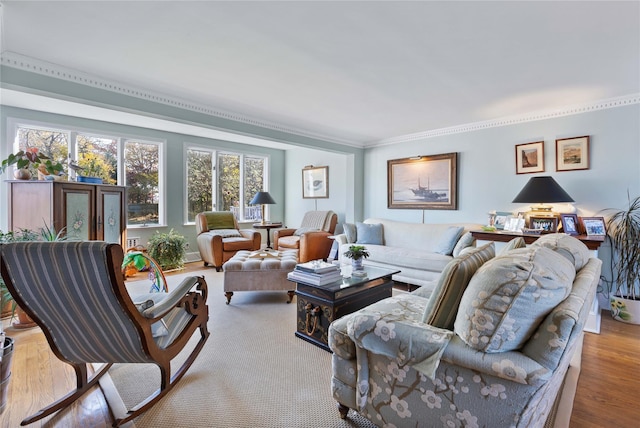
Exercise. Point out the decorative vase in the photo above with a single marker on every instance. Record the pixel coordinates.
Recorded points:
(625, 310)
(357, 268)
(22, 174)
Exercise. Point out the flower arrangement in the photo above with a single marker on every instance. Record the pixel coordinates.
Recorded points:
(31, 157)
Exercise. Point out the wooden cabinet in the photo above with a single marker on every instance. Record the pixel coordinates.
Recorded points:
(87, 211)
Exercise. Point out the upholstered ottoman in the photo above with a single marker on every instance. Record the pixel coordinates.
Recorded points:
(259, 271)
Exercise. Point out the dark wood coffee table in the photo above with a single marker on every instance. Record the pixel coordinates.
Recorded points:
(319, 305)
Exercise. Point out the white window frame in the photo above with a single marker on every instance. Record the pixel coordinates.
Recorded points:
(215, 151)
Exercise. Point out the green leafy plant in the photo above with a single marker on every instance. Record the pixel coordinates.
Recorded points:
(29, 157)
(168, 249)
(623, 230)
(357, 252)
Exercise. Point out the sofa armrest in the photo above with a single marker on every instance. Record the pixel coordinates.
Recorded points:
(510, 365)
(341, 239)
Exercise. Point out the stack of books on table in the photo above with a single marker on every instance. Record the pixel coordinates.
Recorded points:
(315, 272)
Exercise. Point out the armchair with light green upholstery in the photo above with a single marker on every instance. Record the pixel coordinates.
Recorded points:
(311, 239)
(219, 237)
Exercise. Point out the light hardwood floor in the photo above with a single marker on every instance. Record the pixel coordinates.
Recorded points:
(607, 394)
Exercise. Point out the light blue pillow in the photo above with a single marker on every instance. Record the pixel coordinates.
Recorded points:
(448, 240)
(350, 232)
(369, 234)
(467, 240)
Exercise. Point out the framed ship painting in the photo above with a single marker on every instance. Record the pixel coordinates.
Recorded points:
(423, 182)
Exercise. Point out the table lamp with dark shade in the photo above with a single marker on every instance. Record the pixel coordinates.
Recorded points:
(540, 191)
(262, 199)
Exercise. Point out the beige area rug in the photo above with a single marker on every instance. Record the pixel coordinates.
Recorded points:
(252, 372)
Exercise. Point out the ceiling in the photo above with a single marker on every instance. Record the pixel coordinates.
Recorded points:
(356, 72)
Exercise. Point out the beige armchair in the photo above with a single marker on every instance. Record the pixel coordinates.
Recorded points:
(219, 237)
(311, 239)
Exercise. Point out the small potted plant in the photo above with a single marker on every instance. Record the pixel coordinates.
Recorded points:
(357, 253)
(168, 249)
(27, 158)
(623, 230)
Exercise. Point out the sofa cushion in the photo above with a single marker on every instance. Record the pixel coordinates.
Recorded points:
(445, 299)
(225, 233)
(448, 240)
(509, 296)
(407, 258)
(514, 244)
(369, 234)
(568, 246)
(350, 232)
(465, 241)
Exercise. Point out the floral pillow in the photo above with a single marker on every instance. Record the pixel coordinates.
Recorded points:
(510, 295)
(568, 246)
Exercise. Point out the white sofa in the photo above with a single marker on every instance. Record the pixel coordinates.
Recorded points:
(413, 249)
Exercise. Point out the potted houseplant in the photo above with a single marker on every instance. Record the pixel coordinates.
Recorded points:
(357, 253)
(623, 231)
(30, 158)
(168, 249)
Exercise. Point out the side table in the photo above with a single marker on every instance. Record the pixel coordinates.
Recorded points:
(268, 226)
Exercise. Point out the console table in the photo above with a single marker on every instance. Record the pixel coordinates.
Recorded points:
(592, 242)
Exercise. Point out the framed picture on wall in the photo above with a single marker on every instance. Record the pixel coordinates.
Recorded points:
(572, 153)
(423, 182)
(530, 157)
(315, 182)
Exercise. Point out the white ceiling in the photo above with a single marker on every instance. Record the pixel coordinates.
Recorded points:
(357, 72)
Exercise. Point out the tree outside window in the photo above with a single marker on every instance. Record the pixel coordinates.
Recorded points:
(141, 162)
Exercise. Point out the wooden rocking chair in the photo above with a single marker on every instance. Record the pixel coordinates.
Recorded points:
(75, 292)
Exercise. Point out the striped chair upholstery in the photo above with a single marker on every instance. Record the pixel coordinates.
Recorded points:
(75, 292)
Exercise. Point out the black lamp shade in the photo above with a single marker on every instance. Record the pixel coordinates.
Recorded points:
(542, 190)
(262, 198)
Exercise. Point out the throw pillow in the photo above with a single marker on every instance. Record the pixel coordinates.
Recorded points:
(448, 240)
(509, 296)
(146, 301)
(350, 232)
(465, 241)
(514, 244)
(302, 230)
(369, 234)
(568, 246)
(219, 220)
(443, 304)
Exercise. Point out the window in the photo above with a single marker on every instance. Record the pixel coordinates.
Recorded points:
(141, 165)
(117, 160)
(223, 181)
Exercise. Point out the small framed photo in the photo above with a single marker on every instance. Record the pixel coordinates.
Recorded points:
(530, 157)
(570, 224)
(594, 226)
(315, 182)
(514, 224)
(501, 219)
(546, 224)
(572, 153)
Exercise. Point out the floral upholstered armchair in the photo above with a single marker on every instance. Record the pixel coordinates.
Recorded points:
(489, 348)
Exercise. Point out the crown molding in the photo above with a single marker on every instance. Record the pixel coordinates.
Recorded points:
(22, 62)
(18, 61)
(512, 120)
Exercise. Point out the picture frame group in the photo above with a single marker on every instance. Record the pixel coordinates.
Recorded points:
(591, 226)
(572, 154)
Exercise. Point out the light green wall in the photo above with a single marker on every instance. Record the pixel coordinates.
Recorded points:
(174, 161)
(486, 165)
